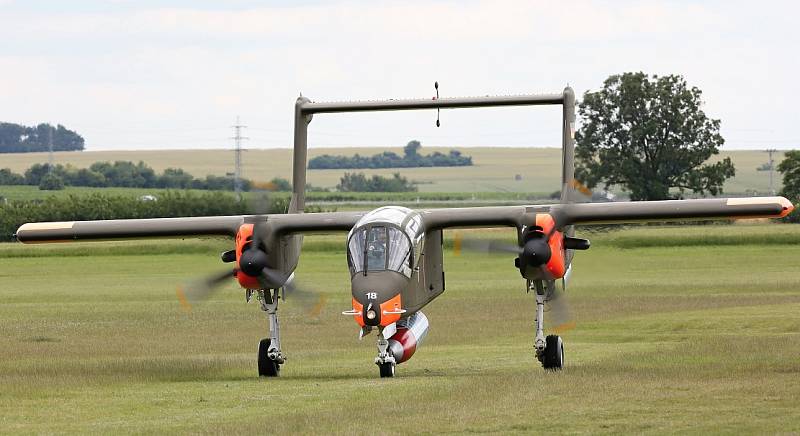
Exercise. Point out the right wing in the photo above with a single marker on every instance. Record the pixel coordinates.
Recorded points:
(66, 231)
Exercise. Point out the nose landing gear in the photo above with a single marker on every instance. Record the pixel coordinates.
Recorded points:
(385, 360)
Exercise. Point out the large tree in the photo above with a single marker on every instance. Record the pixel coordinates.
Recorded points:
(21, 139)
(649, 135)
(790, 168)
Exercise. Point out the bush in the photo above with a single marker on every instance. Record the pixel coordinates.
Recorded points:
(105, 207)
(7, 177)
(124, 174)
(358, 182)
(51, 182)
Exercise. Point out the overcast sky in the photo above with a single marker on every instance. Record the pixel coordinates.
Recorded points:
(159, 74)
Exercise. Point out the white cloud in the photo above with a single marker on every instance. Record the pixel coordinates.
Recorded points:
(163, 67)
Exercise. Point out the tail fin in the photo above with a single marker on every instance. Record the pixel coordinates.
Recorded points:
(301, 121)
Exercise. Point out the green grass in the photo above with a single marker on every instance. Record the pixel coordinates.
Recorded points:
(494, 169)
(670, 338)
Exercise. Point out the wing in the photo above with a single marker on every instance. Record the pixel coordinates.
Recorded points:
(325, 222)
(606, 213)
(182, 227)
(499, 216)
(128, 229)
(674, 210)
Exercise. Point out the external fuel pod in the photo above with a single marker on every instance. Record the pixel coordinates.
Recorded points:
(410, 333)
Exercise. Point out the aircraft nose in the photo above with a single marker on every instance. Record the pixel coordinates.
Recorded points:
(378, 296)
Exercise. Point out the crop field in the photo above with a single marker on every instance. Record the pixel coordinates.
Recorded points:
(679, 329)
(494, 170)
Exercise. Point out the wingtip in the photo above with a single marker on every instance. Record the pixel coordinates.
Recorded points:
(787, 205)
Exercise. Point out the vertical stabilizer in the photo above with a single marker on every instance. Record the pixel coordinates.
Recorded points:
(568, 147)
(301, 121)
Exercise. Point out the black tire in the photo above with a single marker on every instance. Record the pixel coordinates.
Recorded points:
(386, 369)
(266, 366)
(553, 354)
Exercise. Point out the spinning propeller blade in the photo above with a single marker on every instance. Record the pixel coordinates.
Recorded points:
(558, 313)
(201, 290)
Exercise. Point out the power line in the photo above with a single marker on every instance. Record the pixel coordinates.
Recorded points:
(237, 175)
(771, 169)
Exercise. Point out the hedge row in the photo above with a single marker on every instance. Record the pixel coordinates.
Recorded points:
(102, 207)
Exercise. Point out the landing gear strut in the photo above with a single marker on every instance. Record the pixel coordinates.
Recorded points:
(270, 357)
(385, 360)
(550, 349)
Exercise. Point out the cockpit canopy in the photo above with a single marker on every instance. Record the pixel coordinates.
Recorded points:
(384, 239)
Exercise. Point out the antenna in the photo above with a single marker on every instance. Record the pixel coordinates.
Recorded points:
(436, 85)
(771, 169)
(237, 175)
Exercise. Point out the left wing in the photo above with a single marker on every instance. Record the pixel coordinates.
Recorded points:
(607, 213)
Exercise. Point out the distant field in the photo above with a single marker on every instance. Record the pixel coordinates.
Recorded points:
(683, 337)
(324, 200)
(494, 168)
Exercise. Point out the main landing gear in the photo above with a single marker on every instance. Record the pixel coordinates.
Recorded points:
(550, 349)
(270, 357)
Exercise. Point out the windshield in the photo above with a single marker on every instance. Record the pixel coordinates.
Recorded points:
(378, 248)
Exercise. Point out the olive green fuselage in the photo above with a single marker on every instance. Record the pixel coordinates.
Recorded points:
(425, 284)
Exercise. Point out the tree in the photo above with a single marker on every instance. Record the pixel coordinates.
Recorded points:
(411, 148)
(790, 168)
(175, 178)
(280, 184)
(8, 177)
(21, 139)
(34, 174)
(411, 159)
(358, 182)
(650, 136)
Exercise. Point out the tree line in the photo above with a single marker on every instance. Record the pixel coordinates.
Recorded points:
(359, 182)
(410, 159)
(123, 174)
(15, 138)
(97, 206)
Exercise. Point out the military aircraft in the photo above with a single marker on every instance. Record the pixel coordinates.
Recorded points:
(395, 253)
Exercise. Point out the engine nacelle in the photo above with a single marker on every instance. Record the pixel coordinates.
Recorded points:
(410, 333)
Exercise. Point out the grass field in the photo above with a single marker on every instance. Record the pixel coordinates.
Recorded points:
(672, 336)
(494, 169)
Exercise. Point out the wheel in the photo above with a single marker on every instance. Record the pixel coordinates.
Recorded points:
(387, 369)
(266, 366)
(553, 354)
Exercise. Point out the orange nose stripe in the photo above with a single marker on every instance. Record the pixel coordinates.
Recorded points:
(394, 304)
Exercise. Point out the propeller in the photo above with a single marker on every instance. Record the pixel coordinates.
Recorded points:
(254, 263)
(558, 311)
(201, 290)
(535, 252)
